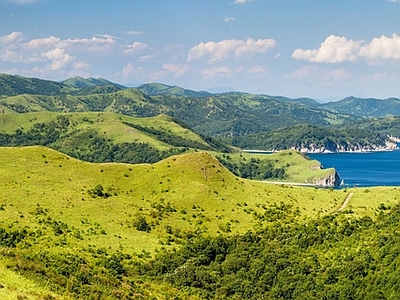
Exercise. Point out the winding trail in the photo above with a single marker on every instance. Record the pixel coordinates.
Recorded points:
(345, 202)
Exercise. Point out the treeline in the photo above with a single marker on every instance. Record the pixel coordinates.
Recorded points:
(254, 168)
(92, 148)
(308, 136)
(178, 141)
(334, 257)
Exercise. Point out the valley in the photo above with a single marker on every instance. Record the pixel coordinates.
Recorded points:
(110, 192)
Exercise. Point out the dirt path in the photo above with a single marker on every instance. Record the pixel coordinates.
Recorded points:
(345, 202)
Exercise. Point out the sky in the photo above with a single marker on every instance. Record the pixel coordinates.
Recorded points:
(322, 49)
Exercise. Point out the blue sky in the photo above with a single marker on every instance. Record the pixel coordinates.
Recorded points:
(323, 49)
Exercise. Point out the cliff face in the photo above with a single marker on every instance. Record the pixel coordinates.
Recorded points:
(331, 180)
(334, 148)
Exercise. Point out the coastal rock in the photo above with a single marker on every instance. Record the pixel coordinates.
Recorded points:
(331, 180)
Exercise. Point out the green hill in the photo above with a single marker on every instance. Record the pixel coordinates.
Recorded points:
(314, 138)
(16, 85)
(153, 89)
(104, 137)
(227, 114)
(366, 107)
(86, 230)
(79, 82)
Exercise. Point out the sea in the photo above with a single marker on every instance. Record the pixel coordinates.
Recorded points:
(368, 169)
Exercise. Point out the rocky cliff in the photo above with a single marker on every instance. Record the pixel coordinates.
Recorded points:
(331, 180)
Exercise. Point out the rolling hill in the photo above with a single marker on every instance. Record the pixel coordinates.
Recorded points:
(226, 114)
(71, 229)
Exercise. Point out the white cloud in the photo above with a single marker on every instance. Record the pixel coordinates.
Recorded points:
(228, 19)
(210, 73)
(326, 74)
(242, 2)
(334, 49)
(130, 69)
(382, 48)
(303, 72)
(81, 65)
(339, 49)
(47, 42)
(136, 46)
(145, 58)
(221, 50)
(12, 37)
(177, 69)
(10, 56)
(134, 32)
(59, 59)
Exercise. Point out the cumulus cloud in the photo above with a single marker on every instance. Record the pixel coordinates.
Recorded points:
(177, 69)
(334, 49)
(59, 59)
(52, 54)
(382, 48)
(136, 46)
(337, 49)
(128, 70)
(217, 51)
(210, 73)
(12, 37)
(242, 2)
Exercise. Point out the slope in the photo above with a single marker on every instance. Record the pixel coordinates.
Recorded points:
(79, 229)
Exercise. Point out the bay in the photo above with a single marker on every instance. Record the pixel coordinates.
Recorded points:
(364, 169)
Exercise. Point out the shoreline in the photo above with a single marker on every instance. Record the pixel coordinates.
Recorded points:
(255, 151)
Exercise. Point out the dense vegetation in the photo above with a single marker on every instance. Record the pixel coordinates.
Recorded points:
(92, 147)
(314, 137)
(332, 257)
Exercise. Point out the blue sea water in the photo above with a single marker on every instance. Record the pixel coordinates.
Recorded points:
(364, 169)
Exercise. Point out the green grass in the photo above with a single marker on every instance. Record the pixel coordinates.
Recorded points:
(14, 286)
(298, 167)
(110, 125)
(203, 196)
(179, 197)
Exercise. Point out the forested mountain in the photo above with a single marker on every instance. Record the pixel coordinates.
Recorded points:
(229, 115)
(16, 85)
(79, 82)
(368, 107)
(153, 89)
(310, 138)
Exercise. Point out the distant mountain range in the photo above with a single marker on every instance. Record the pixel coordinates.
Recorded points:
(228, 115)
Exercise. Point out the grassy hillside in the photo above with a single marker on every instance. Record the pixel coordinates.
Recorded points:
(76, 229)
(104, 137)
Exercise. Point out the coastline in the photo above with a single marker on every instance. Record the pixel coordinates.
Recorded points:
(322, 151)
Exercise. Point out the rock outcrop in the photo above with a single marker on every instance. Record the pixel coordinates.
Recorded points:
(332, 180)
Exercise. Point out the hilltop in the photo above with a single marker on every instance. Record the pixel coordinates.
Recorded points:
(80, 229)
(242, 119)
